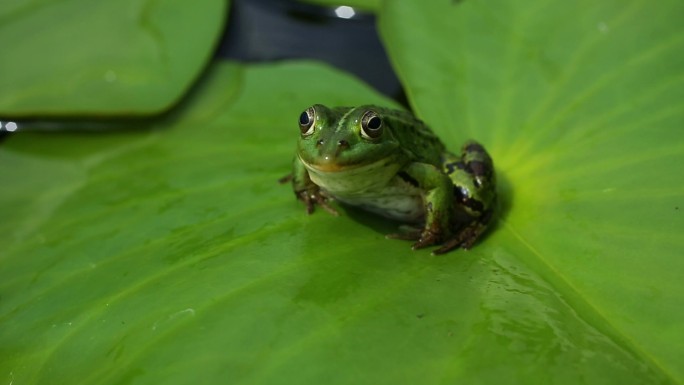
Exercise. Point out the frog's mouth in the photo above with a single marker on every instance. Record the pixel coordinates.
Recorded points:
(329, 166)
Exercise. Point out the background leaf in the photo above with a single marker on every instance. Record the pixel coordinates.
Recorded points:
(107, 58)
(581, 104)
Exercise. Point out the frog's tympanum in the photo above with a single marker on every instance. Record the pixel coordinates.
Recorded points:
(388, 162)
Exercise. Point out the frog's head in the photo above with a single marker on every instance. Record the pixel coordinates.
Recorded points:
(336, 139)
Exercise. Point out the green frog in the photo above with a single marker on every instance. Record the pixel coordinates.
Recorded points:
(389, 162)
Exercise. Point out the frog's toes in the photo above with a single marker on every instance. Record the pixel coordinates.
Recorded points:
(323, 202)
(313, 198)
(464, 239)
(468, 236)
(447, 246)
(427, 238)
(305, 197)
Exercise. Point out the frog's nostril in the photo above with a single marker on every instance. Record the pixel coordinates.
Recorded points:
(343, 143)
(320, 142)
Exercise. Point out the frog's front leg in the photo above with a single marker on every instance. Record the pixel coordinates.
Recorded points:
(307, 191)
(438, 200)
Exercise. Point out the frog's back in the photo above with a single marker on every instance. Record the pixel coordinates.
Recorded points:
(414, 135)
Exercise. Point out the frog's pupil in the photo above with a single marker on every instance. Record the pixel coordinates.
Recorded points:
(304, 119)
(374, 123)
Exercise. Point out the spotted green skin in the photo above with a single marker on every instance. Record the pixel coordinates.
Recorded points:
(406, 174)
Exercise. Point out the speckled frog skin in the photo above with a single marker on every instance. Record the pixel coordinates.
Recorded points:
(388, 162)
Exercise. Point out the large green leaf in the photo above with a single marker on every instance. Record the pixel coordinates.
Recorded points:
(103, 57)
(170, 255)
(582, 106)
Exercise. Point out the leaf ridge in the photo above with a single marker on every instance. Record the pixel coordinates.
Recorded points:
(595, 318)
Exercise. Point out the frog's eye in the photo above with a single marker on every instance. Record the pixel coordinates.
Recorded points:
(371, 125)
(306, 121)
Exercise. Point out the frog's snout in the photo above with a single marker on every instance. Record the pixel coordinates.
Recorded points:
(329, 150)
(343, 144)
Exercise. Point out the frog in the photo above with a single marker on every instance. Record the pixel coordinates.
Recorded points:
(387, 161)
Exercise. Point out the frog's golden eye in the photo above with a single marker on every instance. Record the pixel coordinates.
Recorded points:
(306, 121)
(371, 125)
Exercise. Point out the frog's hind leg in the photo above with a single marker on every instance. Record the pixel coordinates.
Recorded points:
(474, 193)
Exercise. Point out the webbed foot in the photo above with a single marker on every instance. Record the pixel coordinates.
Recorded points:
(427, 238)
(422, 237)
(311, 198)
(465, 238)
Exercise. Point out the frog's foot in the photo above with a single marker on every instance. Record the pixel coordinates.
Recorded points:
(313, 198)
(427, 238)
(464, 239)
(422, 237)
(406, 233)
